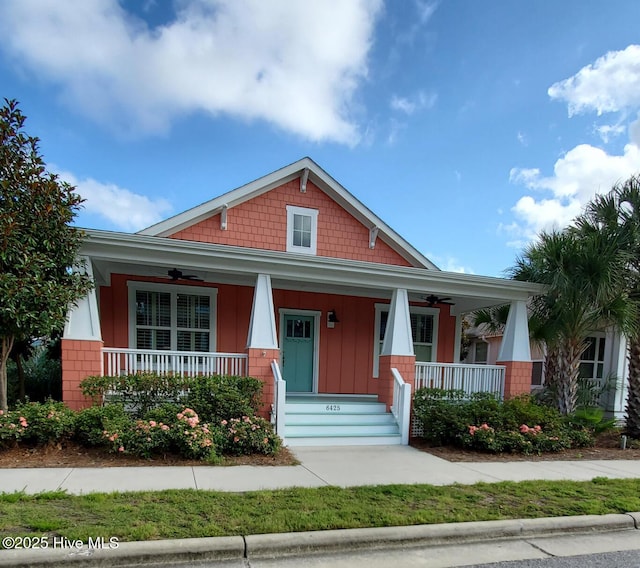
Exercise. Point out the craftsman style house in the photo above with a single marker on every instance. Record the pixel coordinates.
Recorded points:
(294, 281)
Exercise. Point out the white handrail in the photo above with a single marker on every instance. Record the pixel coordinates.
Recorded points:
(118, 361)
(458, 376)
(279, 399)
(401, 406)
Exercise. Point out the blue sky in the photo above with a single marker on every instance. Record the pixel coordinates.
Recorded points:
(467, 125)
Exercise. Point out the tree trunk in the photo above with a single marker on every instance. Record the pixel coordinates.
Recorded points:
(5, 349)
(568, 373)
(21, 382)
(633, 393)
(551, 371)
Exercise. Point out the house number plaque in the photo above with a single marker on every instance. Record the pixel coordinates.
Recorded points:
(333, 408)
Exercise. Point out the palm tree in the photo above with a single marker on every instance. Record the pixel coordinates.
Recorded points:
(617, 215)
(585, 291)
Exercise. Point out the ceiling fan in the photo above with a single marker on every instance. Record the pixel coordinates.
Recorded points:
(432, 299)
(176, 274)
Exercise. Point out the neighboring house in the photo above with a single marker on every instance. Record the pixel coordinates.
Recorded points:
(603, 365)
(289, 277)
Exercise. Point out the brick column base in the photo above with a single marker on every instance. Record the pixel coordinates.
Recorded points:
(406, 365)
(517, 378)
(259, 367)
(80, 359)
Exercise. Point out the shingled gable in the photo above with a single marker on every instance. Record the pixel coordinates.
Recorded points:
(304, 175)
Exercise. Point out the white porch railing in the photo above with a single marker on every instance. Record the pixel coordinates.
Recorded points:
(279, 400)
(118, 361)
(401, 405)
(469, 378)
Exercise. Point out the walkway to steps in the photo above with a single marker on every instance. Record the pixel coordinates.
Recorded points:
(339, 420)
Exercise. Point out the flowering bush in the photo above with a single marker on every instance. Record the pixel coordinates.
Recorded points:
(249, 435)
(526, 439)
(36, 423)
(194, 439)
(13, 427)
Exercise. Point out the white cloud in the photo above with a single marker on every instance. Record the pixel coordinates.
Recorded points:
(410, 105)
(609, 131)
(522, 138)
(449, 264)
(611, 84)
(578, 176)
(296, 65)
(122, 208)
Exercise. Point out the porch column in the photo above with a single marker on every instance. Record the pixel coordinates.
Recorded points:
(81, 346)
(262, 341)
(515, 353)
(397, 348)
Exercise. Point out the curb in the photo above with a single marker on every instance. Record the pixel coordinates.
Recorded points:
(316, 542)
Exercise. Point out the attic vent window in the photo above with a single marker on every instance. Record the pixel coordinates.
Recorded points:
(302, 229)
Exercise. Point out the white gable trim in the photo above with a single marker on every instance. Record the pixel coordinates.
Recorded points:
(293, 171)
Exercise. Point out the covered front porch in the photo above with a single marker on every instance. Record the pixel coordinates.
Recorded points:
(312, 327)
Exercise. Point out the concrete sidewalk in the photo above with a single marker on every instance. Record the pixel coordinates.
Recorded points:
(338, 466)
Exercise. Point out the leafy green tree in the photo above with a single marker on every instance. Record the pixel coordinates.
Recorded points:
(38, 247)
(617, 216)
(586, 290)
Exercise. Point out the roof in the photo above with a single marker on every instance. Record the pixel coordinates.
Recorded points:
(304, 169)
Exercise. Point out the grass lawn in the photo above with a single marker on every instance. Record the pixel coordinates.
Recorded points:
(190, 513)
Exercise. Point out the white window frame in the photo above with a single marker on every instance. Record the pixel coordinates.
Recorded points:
(313, 214)
(435, 312)
(173, 289)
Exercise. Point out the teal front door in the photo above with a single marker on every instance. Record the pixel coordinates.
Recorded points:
(297, 352)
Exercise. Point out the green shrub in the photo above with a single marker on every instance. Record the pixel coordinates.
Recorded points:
(213, 397)
(217, 398)
(442, 414)
(249, 435)
(91, 423)
(138, 392)
(484, 423)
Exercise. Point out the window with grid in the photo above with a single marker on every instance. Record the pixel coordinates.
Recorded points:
(172, 318)
(592, 360)
(423, 325)
(302, 229)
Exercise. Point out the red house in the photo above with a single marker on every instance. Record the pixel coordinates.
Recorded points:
(294, 281)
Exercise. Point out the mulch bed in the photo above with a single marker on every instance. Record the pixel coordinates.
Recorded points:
(71, 454)
(607, 447)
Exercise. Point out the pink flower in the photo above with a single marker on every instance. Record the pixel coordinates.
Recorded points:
(472, 430)
(524, 429)
(23, 421)
(224, 422)
(537, 428)
(1, 412)
(485, 426)
(236, 439)
(164, 427)
(179, 416)
(152, 423)
(121, 449)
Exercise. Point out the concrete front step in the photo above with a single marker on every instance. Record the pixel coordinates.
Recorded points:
(329, 430)
(335, 407)
(339, 421)
(389, 440)
(315, 419)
